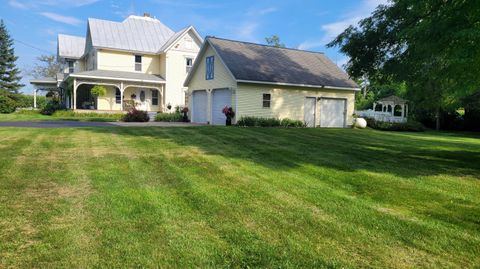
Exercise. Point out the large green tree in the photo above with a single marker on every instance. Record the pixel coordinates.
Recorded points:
(9, 73)
(274, 40)
(431, 45)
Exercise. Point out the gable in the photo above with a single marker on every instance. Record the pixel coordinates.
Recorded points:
(222, 77)
(188, 42)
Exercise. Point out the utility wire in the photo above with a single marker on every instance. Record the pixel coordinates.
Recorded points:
(31, 46)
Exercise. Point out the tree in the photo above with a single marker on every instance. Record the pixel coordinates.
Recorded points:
(274, 40)
(47, 66)
(431, 45)
(9, 73)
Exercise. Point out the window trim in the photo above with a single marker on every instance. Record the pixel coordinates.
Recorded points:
(71, 69)
(267, 101)
(138, 65)
(210, 67)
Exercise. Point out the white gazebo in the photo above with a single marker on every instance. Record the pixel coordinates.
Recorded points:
(43, 84)
(388, 109)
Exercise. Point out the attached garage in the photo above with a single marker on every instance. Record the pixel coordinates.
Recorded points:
(332, 112)
(220, 99)
(199, 106)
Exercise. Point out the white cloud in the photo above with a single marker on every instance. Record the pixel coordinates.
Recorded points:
(333, 29)
(57, 3)
(60, 18)
(261, 12)
(246, 31)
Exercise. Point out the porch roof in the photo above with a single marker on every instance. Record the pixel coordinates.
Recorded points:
(46, 80)
(119, 76)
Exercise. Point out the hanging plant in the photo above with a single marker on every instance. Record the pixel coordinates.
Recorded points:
(98, 90)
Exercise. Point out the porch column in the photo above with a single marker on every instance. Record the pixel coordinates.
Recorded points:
(121, 96)
(34, 97)
(374, 105)
(406, 111)
(74, 94)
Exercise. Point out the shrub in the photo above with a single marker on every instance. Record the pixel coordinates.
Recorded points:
(7, 104)
(51, 107)
(409, 126)
(169, 117)
(135, 115)
(268, 122)
(71, 115)
(292, 123)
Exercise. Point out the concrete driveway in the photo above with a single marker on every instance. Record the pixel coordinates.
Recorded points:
(79, 124)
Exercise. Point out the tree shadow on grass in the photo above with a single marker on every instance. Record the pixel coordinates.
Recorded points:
(402, 155)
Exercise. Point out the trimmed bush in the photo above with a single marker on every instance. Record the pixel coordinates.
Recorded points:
(71, 115)
(292, 123)
(409, 126)
(268, 122)
(7, 104)
(169, 117)
(135, 115)
(51, 107)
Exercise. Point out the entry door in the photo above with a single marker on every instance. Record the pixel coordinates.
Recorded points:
(309, 110)
(220, 99)
(142, 104)
(199, 106)
(332, 113)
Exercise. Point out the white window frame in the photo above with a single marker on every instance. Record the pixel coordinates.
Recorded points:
(138, 65)
(269, 100)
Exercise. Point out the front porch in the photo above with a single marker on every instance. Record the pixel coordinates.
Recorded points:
(124, 90)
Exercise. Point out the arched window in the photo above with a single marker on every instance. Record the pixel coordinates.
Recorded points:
(378, 107)
(142, 96)
(397, 111)
(118, 96)
(389, 108)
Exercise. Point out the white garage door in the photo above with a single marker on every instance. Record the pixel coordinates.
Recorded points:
(199, 107)
(332, 113)
(220, 99)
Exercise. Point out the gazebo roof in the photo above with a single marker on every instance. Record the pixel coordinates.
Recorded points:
(394, 99)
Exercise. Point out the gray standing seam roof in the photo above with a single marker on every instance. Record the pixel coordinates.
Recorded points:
(70, 46)
(142, 34)
(120, 75)
(260, 63)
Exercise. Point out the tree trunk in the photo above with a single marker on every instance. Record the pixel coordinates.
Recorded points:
(437, 119)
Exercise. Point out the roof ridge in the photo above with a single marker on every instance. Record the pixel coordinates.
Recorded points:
(263, 45)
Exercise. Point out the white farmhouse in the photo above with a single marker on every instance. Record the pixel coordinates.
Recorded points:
(140, 61)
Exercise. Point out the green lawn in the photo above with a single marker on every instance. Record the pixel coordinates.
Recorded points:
(236, 197)
(59, 115)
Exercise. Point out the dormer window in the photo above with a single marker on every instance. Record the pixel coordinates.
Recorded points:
(71, 67)
(138, 63)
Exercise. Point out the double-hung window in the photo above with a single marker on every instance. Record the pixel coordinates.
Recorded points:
(267, 100)
(118, 96)
(138, 62)
(154, 98)
(189, 64)
(210, 61)
(71, 67)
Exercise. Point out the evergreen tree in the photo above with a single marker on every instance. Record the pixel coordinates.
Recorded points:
(9, 73)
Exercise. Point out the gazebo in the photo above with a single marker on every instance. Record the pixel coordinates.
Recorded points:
(396, 106)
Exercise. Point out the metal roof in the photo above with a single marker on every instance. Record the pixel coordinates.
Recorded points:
(249, 62)
(70, 46)
(119, 76)
(140, 34)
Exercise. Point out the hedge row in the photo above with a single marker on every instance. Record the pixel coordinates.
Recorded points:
(409, 126)
(269, 122)
(9, 102)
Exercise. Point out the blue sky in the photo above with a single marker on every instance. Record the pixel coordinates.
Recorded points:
(303, 24)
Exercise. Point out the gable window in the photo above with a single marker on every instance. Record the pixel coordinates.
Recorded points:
(138, 62)
(154, 98)
(210, 66)
(267, 99)
(71, 68)
(118, 96)
(189, 64)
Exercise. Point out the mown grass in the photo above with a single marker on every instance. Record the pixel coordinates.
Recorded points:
(238, 197)
(27, 115)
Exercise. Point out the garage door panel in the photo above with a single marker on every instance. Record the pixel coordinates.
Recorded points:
(332, 113)
(220, 99)
(199, 106)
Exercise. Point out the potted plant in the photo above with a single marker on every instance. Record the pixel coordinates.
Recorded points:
(96, 91)
(169, 106)
(229, 114)
(185, 116)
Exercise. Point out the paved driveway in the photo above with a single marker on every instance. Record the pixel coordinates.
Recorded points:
(78, 124)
